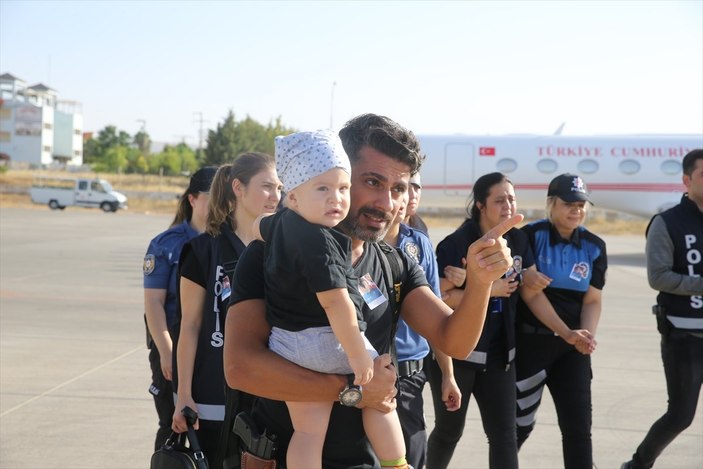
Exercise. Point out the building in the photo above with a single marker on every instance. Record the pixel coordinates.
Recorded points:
(36, 127)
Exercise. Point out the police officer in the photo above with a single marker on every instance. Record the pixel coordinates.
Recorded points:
(675, 267)
(411, 217)
(411, 348)
(571, 264)
(160, 294)
(240, 192)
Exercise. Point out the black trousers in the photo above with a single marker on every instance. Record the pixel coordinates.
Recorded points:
(209, 437)
(548, 360)
(162, 391)
(412, 417)
(682, 354)
(494, 390)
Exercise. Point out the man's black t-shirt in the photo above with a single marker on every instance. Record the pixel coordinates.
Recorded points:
(345, 445)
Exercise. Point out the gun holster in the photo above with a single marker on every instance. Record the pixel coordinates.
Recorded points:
(663, 324)
(258, 448)
(249, 461)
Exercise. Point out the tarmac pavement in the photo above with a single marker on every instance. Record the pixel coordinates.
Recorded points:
(74, 372)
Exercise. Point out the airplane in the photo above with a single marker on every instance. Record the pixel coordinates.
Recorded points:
(634, 174)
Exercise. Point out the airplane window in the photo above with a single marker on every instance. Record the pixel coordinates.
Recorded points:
(588, 166)
(506, 165)
(547, 166)
(629, 166)
(671, 167)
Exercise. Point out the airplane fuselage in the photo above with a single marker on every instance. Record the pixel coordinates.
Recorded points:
(634, 174)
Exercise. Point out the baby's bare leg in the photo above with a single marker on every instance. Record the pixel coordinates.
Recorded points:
(384, 434)
(310, 421)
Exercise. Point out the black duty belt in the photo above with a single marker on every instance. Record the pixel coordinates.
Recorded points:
(409, 367)
(529, 329)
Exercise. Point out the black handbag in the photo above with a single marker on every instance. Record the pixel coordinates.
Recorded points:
(174, 454)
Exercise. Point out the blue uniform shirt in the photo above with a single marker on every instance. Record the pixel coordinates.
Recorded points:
(409, 344)
(573, 264)
(161, 264)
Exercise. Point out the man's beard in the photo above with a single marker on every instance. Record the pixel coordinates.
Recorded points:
(353, 228)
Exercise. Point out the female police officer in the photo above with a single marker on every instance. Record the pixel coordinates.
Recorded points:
(160, 292)
(571, 263)
(240, 192)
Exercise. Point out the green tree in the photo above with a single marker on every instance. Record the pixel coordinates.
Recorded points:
(277, 128)
(173, 160)
(136, 161)
(91, 151)
(221, 146)
(95, 150)
(189, 158)
(111, 137)
(139, 165)
(113, 160)
(143, 142)
(232, 137)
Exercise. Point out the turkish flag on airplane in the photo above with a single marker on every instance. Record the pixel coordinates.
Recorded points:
(487, 151)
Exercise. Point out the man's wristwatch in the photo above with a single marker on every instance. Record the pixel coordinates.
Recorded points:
(351, 394)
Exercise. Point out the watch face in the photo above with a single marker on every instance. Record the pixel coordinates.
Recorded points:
(350, 396)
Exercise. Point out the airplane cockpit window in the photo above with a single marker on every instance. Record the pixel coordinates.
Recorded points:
(506, 165)
(671, 167)
(547, 166)
(588, 166)
(629, 166)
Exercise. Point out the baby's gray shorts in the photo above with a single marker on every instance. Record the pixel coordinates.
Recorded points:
(315, 348)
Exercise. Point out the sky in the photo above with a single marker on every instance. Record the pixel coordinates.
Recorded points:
(478, 68)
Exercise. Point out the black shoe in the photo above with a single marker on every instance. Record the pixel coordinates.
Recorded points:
(626, 465)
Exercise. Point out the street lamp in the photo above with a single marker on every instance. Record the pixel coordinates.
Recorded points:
(334, 84)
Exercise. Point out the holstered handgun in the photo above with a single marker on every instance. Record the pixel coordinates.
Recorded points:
(258, 448)
(663, 324)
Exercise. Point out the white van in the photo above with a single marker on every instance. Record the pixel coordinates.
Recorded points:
(59, 193)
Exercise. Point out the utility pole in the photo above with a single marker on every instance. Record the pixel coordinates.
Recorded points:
(200, 121)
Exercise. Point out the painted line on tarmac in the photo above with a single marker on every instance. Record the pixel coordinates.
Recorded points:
(19, 295)
(72, 380)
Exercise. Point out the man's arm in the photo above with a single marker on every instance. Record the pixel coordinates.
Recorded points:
(660, 262)
(251, 367)
(457, 333)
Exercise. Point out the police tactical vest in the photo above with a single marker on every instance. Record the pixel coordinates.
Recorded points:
(684, 223)
(208, 377)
